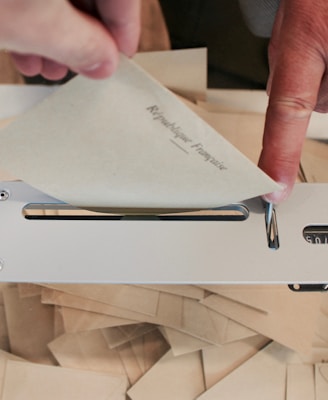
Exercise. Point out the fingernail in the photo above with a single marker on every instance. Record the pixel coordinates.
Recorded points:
(98, 70)
(92, 67)
(279, 195)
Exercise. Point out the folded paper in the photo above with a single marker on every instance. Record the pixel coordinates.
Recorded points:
(126, 142)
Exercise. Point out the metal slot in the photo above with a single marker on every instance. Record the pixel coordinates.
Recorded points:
(309, 288)
(234, 212)
(316, 234)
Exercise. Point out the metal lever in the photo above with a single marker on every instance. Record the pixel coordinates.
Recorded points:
(271, 226)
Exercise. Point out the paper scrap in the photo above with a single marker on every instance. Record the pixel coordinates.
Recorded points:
(289, 319)
(129, 297)
(182, 343)
(88, 351)
(262, 376)
(300, 382)
(219, 362)
(171, 378)
(116, 336)
(30, 326)
(52, 383)
(321, 381)
(256, 101)
(184, 314)
(183, 71)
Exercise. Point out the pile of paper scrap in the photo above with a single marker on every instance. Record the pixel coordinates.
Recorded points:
(65, 341)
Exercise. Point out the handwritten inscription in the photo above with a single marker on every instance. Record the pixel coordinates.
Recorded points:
(186, 143)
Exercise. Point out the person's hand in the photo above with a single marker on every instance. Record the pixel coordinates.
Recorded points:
(48, 37)
(298, 58)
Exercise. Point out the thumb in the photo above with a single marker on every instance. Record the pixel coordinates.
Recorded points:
(69, 37)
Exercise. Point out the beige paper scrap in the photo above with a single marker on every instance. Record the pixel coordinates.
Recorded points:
(322, 327)
(186, 315)
(130, 297)
(300, 382)
(314, 160)
(256, 101)
(183, 71)
(242, 130)
(130, 362)
(318, 354)
(116, 336)
(191, 291)
(235, 100)
(126, 142)
(269, 298)
(4, 338)
(262, 376)
(75, 320)
(142, 353)
(171, 378)
(321, 381)
(88, 351)
(219, 362)
(59, 327)
(4, 357)
(28, 290)
(56, 297)
(52, 383)
(295, 329)
(236, 331)
(149, 348)
(30, 326)
(210, 325)
(319, 341)
(182, 343)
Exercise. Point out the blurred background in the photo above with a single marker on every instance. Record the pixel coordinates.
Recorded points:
(236, 58)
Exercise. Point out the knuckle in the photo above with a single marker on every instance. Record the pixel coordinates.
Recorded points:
(291, 108)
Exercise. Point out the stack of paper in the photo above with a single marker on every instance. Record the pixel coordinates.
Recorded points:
(162, 342)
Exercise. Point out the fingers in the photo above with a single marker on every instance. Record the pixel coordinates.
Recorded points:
(293, 96)
(297, 86)
(122, 18)
(70, 37)
(77, 40)
(30, 65)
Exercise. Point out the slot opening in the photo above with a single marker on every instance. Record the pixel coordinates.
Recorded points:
(233, 212)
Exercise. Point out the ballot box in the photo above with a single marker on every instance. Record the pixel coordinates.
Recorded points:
(191, 338)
